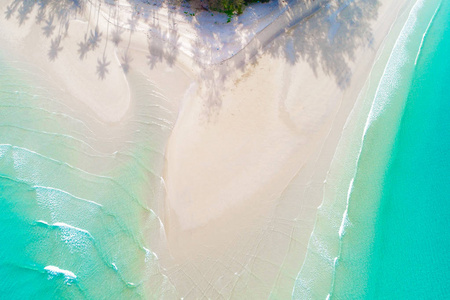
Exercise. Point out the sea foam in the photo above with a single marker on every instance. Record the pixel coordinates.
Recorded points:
(55, 271)
(393, 79)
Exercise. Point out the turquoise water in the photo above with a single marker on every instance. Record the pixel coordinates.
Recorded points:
(382, 229)
(76, 210)
(409, 256)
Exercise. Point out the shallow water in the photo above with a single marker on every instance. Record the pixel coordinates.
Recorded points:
(409, 255)
(72, 208)
(380, 232)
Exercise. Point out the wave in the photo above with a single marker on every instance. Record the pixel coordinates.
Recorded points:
(78, 240)
(391, 82)
(66, 227)
(22, 156)
(391, 77)
(83, 214)
(345, 221)
(50, 198)
(426, 33)
(55, 271)
(38, 187)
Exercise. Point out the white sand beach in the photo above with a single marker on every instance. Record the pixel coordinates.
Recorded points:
(259, 105)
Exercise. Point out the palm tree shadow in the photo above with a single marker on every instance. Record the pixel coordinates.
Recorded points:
(173, 48)
(49, 27)
(95, 38)
(84, 47)
(328, 44)
(155, 54)
(40, 17)
(10, 10)
(117, 36)
(126, 60)
(24, 11)
(102, 67)
(55, 48)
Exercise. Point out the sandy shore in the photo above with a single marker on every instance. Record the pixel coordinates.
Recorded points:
(260, 103)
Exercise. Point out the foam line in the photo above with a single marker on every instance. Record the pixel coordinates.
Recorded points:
(426, 33)
(53, 270)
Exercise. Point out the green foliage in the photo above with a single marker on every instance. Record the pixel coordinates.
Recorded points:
(229, 7)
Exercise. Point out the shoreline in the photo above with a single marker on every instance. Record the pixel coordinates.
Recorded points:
(311, 189)
(341, 184)
(253, 132)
